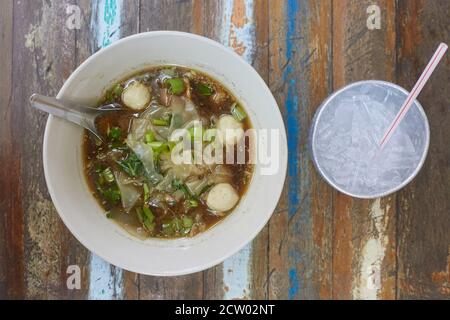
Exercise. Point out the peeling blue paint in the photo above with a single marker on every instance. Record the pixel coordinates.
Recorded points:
(106, 22)
(105, 280)
(237, 268)
(293, 289)
(292, 110)
(292, 122)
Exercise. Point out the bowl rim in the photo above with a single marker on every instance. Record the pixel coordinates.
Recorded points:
(231, 251)
(314, 126)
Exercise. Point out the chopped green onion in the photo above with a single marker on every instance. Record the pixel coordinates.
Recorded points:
(171, 145)
(108, 175)
(195, 133)
(156, 145)
(167, 228)
(149, 225)
(146, 217)
(176, 224)
(112, 194)
(159, 147)
(204, 89)
(118, 89)
(109, 96)
(149, 136)
(176, 85)
(115, 133)
(187, 222)
(191, 203)
(161, 122)
(146, 191)
(167, 147)
(140, 215)
(237, 112)
(148, 214)
(178, 185)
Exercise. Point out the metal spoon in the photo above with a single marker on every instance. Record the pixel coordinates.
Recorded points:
(83, 116)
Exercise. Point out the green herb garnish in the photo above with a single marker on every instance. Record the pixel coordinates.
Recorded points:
(161, 122)
(115, 133)
(148, 214)
(237, 112)
(167, 228)
(146, 217)
(113, 93)
(131, 165)
(191, 203)
(195, 133)
(204, 89)
(146, 192)
(117, 90)
(108, 175)
(149, 136)
(187, 222)
(176, 85)
(112, 194)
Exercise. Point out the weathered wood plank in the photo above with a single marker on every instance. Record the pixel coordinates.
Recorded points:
(11, 225)
(171, 15)
(242, 26)
(320, 86)
(260, 61)
(103, 23)
(424, 206)
(278, 283)
(233, 276)
(364, 231)
(300, 233)
(43, 58)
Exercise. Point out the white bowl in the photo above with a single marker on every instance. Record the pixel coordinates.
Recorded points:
(68, 186)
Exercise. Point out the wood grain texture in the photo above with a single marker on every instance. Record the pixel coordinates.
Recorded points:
(11, 225)
(109, 281)
(424, 206)
(363, 231)
(260, 60)
(277, 281)
(300, 232)
(41, 64)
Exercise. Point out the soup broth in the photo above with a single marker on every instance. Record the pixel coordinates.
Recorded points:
(132, 171)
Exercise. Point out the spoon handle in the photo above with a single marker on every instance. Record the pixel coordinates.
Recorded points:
(84, 117)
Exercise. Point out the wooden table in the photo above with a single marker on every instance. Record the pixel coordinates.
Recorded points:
(319, 243)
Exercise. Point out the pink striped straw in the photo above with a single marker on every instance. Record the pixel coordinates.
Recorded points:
(434, 61)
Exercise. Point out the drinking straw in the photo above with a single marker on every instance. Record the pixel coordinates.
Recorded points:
(434, 61)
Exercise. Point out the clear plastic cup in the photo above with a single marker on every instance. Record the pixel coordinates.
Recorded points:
(345, 134)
